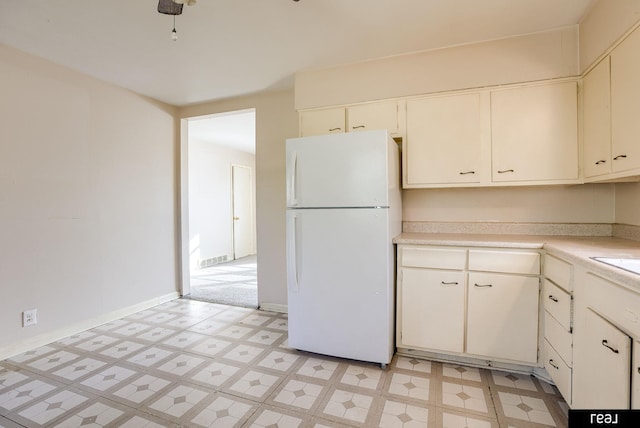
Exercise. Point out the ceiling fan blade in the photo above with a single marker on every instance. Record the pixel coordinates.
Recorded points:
(169, 7)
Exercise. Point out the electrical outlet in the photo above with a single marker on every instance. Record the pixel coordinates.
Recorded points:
(30, 317)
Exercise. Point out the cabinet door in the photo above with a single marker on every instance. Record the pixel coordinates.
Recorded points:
(320, 122)
(597, 120)
(502, 317)
(365, 117)
(635, 376)
(602, 357)
(625, 104)
(534, 133)
(443, 140)
(432, 309)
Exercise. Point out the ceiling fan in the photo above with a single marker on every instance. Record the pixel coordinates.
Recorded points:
(173, 7)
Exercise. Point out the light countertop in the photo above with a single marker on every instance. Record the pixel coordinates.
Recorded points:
(574, 249)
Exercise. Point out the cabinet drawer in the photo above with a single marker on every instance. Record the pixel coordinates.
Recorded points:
(558, 303)
(435, 258)
(559, 338)
(558, 370)
(522, 262)
(618, 304)
(558, 271)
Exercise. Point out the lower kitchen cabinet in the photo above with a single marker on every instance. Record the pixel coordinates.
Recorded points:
(432, 309)
(445, 307)
(502, 316)
(604, 358)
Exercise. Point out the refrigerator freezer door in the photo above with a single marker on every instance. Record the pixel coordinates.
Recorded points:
(340, 283)
(338, 170)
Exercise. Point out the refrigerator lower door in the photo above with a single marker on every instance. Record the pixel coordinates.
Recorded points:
(340, 283)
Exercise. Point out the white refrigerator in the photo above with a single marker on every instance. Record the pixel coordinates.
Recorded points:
(343, 210)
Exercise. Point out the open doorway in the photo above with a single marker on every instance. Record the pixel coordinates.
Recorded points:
(221, 207)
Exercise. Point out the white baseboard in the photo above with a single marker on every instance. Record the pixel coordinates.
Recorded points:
(22, 346)
(274, 307)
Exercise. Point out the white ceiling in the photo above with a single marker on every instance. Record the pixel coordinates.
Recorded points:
(228, 48)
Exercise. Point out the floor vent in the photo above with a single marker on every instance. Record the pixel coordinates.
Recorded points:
(205, 263)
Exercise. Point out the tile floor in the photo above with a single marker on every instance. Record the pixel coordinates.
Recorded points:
(190, 363)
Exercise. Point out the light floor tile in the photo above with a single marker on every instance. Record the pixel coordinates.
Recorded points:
(108, 378)
(409, 386)
(452, 420)
(80, 368)
(243, 353)
(277, 360)
(32, 354)
(276, 419)
(464, 396)
(156, 334)
(211, 346)
(525, 408)
(402, 415)
(296, 393)
(413, 364)
(184, 339)
(461, 372)
(96, 415)
(514, 380)
(279, 324)
(50, 408)
(216, 374)
(348, 405)
(318, 369)
(265, 337)
(225, 411)
(255, 384)
(10, 377)
(53, 360)
(181, 365)
(179, 401)
(141, 389)
(362, 377)
(96, 342)
(122, 349)
(150, 356)
(23, 394)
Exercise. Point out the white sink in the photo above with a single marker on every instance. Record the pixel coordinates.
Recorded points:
(630, 264)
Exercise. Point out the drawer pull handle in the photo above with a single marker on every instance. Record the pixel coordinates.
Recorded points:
(552, 297)
(449, 283)
(334, 129)
(467, 172)
(357, 127)
(620, 157)
(505, 170)
(606, 345)
(554, 365)
(601, 161)
(483, 285)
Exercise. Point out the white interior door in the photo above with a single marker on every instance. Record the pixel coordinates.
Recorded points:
(242, 211)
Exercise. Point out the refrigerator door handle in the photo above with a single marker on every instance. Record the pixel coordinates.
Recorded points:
(292, 256)
(293, 200)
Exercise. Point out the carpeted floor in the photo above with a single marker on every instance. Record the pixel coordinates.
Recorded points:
(232, 283)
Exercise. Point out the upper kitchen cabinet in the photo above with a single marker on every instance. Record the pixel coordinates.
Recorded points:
(443, 144)
(534, 134)
(596, 98)
(625, 104)
(382, 115)
(361, 117)
(322, 121)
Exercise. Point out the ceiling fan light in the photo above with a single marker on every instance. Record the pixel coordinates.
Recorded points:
(169, 7)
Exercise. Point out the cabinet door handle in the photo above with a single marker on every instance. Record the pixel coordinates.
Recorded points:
(467, 172)
(482, 285)
(620, 157)
(335, 129)
(601, 161)
(552, 297)
(606, 345)
(357, 127)
(554, 365)
(505, 170)
(449, 283)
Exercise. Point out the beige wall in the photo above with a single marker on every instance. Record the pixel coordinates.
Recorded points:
(606, 22)
(87, 190)
(276, 121)
(525, 58)
(590, 203)
(628, 203)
